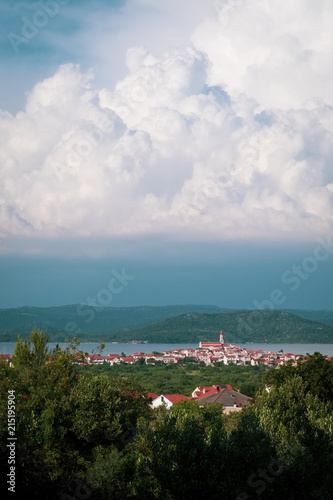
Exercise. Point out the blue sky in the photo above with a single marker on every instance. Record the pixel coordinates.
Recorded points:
(190, 144)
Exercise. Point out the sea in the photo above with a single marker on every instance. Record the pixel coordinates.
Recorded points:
(128, 349)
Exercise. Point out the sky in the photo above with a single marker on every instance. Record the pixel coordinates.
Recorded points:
(182, 150)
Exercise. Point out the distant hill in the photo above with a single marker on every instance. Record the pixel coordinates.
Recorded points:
(322, 316)
(180, 323)
(238, 327)
(62, 322)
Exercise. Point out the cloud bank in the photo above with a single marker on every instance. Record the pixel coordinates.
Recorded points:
(229, 136)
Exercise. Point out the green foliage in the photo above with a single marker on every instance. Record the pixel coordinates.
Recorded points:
(301, 427)
(104, 409)
(106, 473)
(316, 374)
(62, 416)
(183, 378)
(182, 444)
(31, 352)
(250, 448)
(88, 432)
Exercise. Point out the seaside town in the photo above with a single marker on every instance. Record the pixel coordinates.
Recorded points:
(207, 352)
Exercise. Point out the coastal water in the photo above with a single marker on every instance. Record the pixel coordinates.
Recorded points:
(128, 349)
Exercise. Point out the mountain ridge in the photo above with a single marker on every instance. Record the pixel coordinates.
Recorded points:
(164, 324)
(238, 327)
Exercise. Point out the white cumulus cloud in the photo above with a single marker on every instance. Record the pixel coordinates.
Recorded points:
(230, 136)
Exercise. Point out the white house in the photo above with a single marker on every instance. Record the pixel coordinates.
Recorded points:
(168, 400)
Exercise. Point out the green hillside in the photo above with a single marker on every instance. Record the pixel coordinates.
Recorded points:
(322, 316)
(238, 327)
(180, 323)
(62, 322)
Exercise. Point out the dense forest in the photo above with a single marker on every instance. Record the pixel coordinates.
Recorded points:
(89, 432)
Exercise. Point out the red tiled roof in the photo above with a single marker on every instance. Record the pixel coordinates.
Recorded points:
(199, 395)
(208, 390)
(152, 395)
(175, 398)
(223, 397)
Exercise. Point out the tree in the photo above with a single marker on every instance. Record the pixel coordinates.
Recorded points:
(31, 352)
(187, 444)
(42, 383)
(99, 349)
(316, 373)
(250, 449)
(71, 425)
(300, 425)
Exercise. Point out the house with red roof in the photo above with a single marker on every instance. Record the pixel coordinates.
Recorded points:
(254, 361)
(168, 400)
(169, 360)
(205, 390)
(127, 359)
(112, 359)
(152, 395)
(95, 358)
(209, 345)
(5, 356)
(225, 395)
